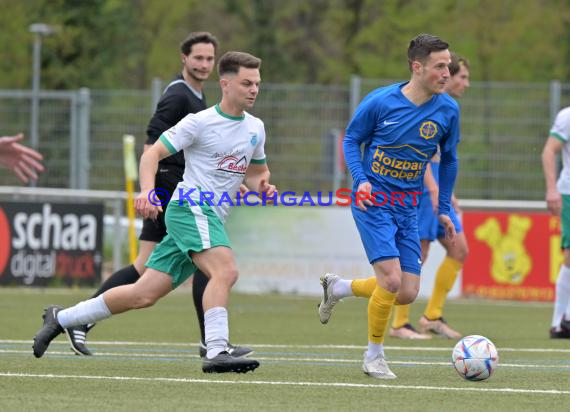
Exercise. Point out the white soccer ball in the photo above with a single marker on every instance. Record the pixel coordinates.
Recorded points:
(475, 358)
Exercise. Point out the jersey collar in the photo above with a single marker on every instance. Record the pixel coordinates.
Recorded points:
(228, 116)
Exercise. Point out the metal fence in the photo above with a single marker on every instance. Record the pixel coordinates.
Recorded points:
(504, 126)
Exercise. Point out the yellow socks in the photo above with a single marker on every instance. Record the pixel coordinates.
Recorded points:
(363, 288)
(381, 301)
(379, 311)
(401, 316)
(444, 279)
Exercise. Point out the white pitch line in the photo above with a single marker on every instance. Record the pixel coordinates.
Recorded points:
(288, 383)
(273, 346)
(283, 359)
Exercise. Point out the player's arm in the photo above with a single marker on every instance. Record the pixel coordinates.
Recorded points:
(447, 175)
(257, 174)
(145, 203)
(550, 152)
(431, 186)
(455, 204)
(22, 160)
(360, 131)
(448, 166)
(257, 178)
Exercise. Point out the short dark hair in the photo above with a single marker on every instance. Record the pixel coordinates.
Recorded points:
(422, 46)
(197, 37)
(231, 62)
(456, 63)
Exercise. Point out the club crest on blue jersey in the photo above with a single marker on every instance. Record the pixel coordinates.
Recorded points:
(253, 140)
(428, 130)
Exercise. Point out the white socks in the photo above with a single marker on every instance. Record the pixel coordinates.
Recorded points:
(562, 299)
(342, 288)
(216, 330)
(88, 311)
(374, 349)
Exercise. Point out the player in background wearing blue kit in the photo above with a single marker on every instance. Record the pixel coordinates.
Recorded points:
(402, 126)
(456, 252)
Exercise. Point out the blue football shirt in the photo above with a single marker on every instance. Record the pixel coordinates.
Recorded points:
(399, 140)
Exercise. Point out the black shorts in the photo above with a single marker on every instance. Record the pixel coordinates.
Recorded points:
(167, 178)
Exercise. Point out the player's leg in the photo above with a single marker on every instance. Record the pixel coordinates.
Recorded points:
(426, 244)
(401, 326)
(167, 179)
(200, 233)
(77, 335)
(388, 278)
(336, 288)
(145, 292)
(410, 262)
(129, 274)
(166, 258)
(153, 231)
(381, 230)
(199, 283)
(560, 326)
(218, 263)
(427, 228)
(457, 251)
(562, 287)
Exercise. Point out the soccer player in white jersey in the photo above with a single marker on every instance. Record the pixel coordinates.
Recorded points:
(558, 203)
(223, 147)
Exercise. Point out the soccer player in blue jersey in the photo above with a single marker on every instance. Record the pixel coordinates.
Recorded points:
(401, 126)
(456, 251)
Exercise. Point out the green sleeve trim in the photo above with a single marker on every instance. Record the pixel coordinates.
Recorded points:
(168, 145)
(559, 137)
(259, 161)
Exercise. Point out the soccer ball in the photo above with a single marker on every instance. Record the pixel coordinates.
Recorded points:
(475, 358)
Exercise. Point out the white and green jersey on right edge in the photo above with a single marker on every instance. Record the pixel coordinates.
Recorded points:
(218, 149)
(561, 131)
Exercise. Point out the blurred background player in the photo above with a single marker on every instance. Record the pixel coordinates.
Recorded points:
(456, 251)
(182, 96)
(23, 161)
(402, 124)
(558, 203)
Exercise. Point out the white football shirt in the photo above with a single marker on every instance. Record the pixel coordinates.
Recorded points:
(218, 148)
(561, 130)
